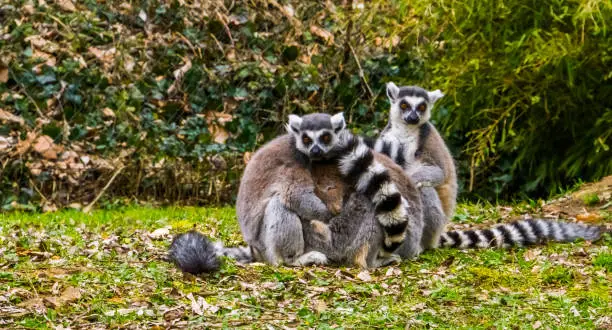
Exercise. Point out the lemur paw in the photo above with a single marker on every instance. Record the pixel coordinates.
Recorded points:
(311, 258)
(321, 229)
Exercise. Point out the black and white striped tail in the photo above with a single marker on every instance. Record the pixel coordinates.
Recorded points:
(194, 253)
(373, 180)
(520, 233)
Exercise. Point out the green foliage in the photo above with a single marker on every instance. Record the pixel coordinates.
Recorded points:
(590, 199)
(528, 85)
(528, 89)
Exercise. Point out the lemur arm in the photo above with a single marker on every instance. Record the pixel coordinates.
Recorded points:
(427, 175)
(306, 204)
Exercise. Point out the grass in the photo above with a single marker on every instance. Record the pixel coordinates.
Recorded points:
(117, 265)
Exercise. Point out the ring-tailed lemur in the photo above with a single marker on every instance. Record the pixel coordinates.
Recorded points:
(414, 143)
(276, 196)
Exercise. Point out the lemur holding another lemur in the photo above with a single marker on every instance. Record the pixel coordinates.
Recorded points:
(277, 205)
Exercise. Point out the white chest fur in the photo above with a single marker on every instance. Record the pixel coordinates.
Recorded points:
(408, 137)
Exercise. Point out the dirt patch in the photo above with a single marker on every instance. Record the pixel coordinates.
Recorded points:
(586, 204)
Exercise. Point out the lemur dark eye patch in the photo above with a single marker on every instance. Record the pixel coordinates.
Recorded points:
(325, 138)
(422, 107)
(404, 105)
(306, 140)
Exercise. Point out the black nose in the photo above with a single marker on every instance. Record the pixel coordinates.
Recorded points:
(316, 151)
(412, 118)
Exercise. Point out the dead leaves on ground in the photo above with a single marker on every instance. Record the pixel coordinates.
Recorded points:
(6, 116)
(39, 304)
(66, 5)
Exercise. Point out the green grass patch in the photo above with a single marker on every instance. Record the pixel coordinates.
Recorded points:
(123, 280)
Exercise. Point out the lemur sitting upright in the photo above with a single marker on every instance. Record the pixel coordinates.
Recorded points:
(414, 143)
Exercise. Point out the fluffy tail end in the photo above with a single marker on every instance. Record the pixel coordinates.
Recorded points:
(194, 253)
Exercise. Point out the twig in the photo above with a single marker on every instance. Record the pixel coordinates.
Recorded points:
(87, 208)
(361, 73)
(23, 90)
(38, 191)
(218, 43)
(195, 52)
(227, 29)
(349, 31)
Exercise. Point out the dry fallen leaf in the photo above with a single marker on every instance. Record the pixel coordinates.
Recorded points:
(29, 9)
(392, 271)
(589, 217)
(35, 304)
(246, 157)
(105, 56)
(160, 232)
(322, 33)
(44, 145)
(108, 112)
(5, 143)
(49, 59)
(48, 207)
(66, 5)
(178, 76)
(115, 300)
(9, 117)
(215, 121)
(4, 75)
(364, 276)
(320, 306)
(531, 254)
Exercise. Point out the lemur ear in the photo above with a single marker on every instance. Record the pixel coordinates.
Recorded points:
(338, 122)
(392, 91)
(293, 126)
(435, 95)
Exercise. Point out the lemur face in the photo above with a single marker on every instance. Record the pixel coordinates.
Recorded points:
(318, 135)
(411, 105)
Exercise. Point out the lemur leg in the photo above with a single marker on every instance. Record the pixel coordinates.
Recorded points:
(386, 261)
(282, 234)
(448, 198)
(434, 216)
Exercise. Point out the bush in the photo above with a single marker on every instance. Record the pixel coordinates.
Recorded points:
(147, 85)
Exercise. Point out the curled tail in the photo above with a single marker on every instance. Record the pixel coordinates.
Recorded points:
(372, 179)
(520, 233)
(194, 253)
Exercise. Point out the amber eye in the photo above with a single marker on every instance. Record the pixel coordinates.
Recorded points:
(306, 140)
(421, 107)
(404, 105)
(325, 138)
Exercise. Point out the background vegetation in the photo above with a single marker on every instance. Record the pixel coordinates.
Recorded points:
(166, 99)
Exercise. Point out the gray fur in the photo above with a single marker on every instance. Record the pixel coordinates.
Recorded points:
(282, 233)
(193, 253)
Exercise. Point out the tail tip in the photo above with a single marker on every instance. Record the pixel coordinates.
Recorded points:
(194, 253)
